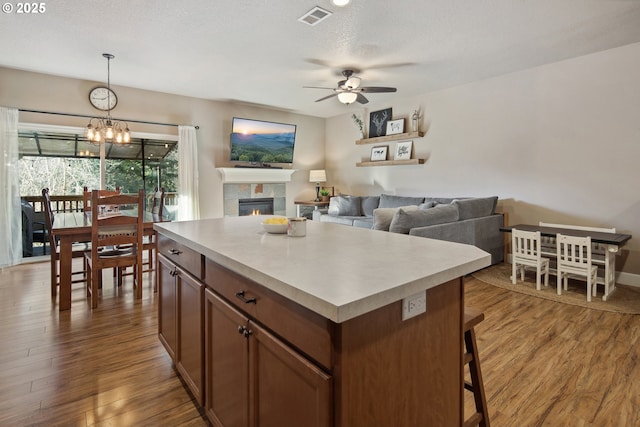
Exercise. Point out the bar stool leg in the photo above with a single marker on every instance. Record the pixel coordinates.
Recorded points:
(481, 417)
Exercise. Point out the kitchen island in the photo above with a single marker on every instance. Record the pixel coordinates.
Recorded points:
(272, 330)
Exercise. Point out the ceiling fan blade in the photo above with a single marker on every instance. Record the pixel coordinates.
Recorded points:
(327, 97)
(317, 87)
(362, 99)
(377, 89)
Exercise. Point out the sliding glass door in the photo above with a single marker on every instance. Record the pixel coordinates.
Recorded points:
(62, 160)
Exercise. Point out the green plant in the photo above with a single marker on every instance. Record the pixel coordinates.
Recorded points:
(358, 121)
(325, 193)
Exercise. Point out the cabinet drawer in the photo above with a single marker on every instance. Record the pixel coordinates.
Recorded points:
(183, 256)
(305, 330)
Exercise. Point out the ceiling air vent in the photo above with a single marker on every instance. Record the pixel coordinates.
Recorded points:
(314, 16)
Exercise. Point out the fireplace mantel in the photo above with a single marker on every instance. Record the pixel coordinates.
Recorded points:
(255, 175)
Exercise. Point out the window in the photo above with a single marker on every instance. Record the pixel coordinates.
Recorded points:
(61, 159)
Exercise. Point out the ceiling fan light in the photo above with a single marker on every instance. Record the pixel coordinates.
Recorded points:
(340, 3)
(352, 82)
(347, 97)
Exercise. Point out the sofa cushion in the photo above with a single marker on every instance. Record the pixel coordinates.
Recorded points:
(363, 222)
(344, 206)
(338, 219)
(389, 201)
(442, 200)
(405, 220)
(382, 216)
(476, 208)
(368, 204)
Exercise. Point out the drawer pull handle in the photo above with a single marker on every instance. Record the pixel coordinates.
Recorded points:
(244, 331)
(245, 300)
(174, 252)
(174, 272)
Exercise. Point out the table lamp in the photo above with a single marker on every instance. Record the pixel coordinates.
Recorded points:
(317, 176)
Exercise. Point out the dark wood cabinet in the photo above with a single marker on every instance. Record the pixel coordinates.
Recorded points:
(167, 306)
(180, 324)
(254, 379)
(227, 364)
(191, 332)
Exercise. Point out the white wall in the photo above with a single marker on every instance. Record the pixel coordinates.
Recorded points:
(558, 143)
(35, 91)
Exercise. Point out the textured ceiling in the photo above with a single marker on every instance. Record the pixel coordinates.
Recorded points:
(257, 52)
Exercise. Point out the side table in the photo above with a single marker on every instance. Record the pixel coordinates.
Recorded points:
(316, 205)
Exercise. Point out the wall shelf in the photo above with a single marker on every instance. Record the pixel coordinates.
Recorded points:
(391, 163)
(388, 138)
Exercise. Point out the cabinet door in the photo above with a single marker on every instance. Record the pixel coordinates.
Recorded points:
(227, 364)
(167, 305)
(286, 389)
(190, 355)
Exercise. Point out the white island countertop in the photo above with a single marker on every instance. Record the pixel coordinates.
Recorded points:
(337, 271)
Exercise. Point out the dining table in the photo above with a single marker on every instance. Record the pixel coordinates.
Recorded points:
(75, 227)
(610, 244)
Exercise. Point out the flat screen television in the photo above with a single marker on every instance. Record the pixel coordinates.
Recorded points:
(261, 142)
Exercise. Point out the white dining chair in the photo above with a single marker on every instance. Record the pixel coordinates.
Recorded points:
(574, 259)
(526, 252)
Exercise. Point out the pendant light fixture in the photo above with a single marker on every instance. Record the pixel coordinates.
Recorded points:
(100, 130)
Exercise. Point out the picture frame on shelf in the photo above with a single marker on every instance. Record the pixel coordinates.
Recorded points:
(378, 122)
(403, 150)
(395, 127)
(379, 153)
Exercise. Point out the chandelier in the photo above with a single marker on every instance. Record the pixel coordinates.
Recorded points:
(104, 129)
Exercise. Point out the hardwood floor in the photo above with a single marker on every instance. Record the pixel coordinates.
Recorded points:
(543, 363)
(550, 364)
(83, 367)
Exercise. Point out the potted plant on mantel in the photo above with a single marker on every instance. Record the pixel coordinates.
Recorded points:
(325, 195)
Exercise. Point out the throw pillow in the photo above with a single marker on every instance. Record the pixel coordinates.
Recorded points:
(369, 204)
(382, 216)
(344, 206)
(389, 201)
(476, 208)
(404, 220)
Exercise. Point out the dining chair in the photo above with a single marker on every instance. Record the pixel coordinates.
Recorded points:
(78, 250)
(527, 252)
(86, 196)
(574, 259)
(149, 243)
(116, 240)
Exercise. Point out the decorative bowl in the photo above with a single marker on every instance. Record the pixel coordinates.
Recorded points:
(275, 228)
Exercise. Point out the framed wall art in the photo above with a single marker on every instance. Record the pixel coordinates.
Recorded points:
(395, 127)
(403, 150)
(379, 153)
(378, 122)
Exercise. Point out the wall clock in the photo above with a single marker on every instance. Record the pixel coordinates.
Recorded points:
(103, 98)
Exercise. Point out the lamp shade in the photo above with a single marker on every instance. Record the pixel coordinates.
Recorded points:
(318, 175)
(347, 97)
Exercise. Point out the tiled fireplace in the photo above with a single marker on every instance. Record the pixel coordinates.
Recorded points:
(244, 184)
(233, 193)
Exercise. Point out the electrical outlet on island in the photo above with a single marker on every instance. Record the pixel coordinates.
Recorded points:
(414, 305)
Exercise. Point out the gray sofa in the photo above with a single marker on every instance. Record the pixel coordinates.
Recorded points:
(471, 221)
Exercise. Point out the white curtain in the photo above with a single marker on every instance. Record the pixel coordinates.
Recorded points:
(10, 213)
(188, 206)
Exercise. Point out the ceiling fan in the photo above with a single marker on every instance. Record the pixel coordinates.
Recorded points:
(349, 89)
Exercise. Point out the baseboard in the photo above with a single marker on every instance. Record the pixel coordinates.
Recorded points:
(628, 279)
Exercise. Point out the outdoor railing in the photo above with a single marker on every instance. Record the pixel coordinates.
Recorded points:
(75, 202)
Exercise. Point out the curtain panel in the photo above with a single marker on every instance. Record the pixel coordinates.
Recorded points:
(188, 205)
(10, 212)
